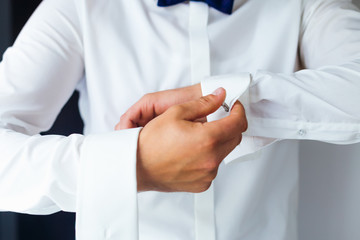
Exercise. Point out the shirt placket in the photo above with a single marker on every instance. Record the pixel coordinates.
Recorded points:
(204, 211)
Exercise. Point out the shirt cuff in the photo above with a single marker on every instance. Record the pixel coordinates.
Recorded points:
(107, 192)
(237, 88)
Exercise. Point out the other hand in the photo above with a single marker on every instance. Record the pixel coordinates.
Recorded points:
(178, 154)
(154, 104)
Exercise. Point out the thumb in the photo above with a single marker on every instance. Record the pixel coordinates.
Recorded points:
(203, 106)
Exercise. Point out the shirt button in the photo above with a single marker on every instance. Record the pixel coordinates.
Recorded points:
(302, 132)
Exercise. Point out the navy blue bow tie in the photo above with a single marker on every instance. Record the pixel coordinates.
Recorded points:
(224, 6)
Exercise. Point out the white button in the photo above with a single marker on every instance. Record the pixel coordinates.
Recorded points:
(302, 132)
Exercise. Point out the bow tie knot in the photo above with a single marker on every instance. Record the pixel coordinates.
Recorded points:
(224, 6)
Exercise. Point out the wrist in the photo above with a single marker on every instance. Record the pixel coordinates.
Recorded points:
(139, 169)
(142, 178)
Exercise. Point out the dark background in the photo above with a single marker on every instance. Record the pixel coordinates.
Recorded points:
(13, 15)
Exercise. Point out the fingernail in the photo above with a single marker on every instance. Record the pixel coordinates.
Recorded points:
(217, 91)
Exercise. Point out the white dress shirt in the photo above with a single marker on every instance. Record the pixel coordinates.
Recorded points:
(301, 58)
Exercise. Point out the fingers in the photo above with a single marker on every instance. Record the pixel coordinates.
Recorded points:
(227, 147)
(202, 107)
(125, 123)
(231, 126)
(154, 104)
(151, 105)
(138, 115)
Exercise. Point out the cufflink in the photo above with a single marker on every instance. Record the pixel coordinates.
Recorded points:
(226, 107)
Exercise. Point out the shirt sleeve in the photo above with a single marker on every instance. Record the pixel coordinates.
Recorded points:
(45, 174)
(320, 102)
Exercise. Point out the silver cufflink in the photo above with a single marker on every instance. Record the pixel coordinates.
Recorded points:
(226, 107)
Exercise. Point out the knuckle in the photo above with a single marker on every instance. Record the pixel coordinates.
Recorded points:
(241, 126)
(244, 125)
(146, 100)
(205, 100)
(147, 96)
(210, 142)
(175, 108)
(205, 186)
(210, 166)
(239, 139)
(202, 187)
(123, 118)
(212, 174)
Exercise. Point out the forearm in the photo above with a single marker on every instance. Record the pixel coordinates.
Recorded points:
(38, 173)
(317, 104)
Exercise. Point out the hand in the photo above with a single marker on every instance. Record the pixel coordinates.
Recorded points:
(178, 154)
(154, 104)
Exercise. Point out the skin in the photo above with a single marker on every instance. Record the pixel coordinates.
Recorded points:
(176, 152)
(154, 104)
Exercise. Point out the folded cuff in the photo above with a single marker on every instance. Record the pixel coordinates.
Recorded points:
(237, 88)
(107, 191)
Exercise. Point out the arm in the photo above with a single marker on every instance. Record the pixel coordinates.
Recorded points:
(45, 174)
(322, 101)
(45, 61)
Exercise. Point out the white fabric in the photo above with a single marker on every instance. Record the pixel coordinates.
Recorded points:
(236, 89)
(116, 51)
(204, 208)
(92, 182)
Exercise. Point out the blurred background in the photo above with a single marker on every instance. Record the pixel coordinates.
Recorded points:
(329, 199)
